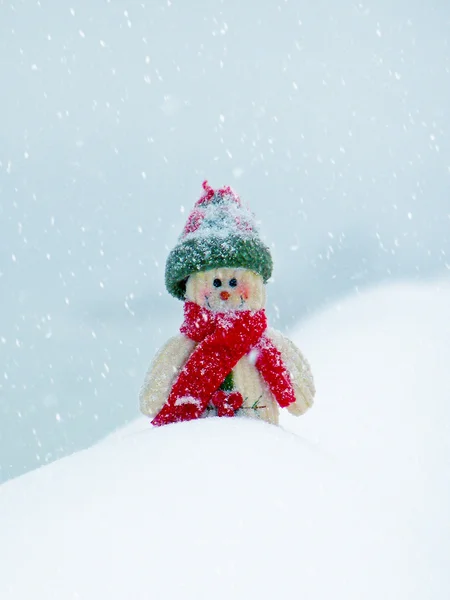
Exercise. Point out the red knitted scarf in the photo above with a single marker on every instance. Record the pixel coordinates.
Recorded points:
(223, 339)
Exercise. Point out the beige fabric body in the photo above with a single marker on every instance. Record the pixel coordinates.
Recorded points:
(170, 360)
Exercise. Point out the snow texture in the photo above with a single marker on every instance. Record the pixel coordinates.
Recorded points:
(351, 503)
(221, 216)
(187, 400)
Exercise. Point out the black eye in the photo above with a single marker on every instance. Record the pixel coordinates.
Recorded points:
(217, 283)
(233, 282)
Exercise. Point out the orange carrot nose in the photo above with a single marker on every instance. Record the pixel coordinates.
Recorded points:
(224, 295)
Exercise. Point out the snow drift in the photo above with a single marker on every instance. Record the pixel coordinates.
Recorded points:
(208, 509)
(351, 503)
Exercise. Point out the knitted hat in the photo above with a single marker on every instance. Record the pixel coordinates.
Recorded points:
(220, 232)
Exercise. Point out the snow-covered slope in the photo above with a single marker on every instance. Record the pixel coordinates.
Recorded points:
(351, 503)
(383, 407)
(217, 509)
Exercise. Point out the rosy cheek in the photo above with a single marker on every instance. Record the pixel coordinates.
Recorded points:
(244, 291)
(204, 293)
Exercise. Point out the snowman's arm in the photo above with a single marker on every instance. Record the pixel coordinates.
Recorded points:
(162, 372)
(300, 372)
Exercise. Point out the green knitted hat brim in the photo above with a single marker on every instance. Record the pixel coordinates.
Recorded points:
(202, 254)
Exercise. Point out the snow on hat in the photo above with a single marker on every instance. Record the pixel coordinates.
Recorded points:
(220, 232)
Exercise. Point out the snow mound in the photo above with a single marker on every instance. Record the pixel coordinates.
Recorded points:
(381, 361)
(351, 503)
(216, 508)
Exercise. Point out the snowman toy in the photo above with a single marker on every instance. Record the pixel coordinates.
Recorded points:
(226, 361)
